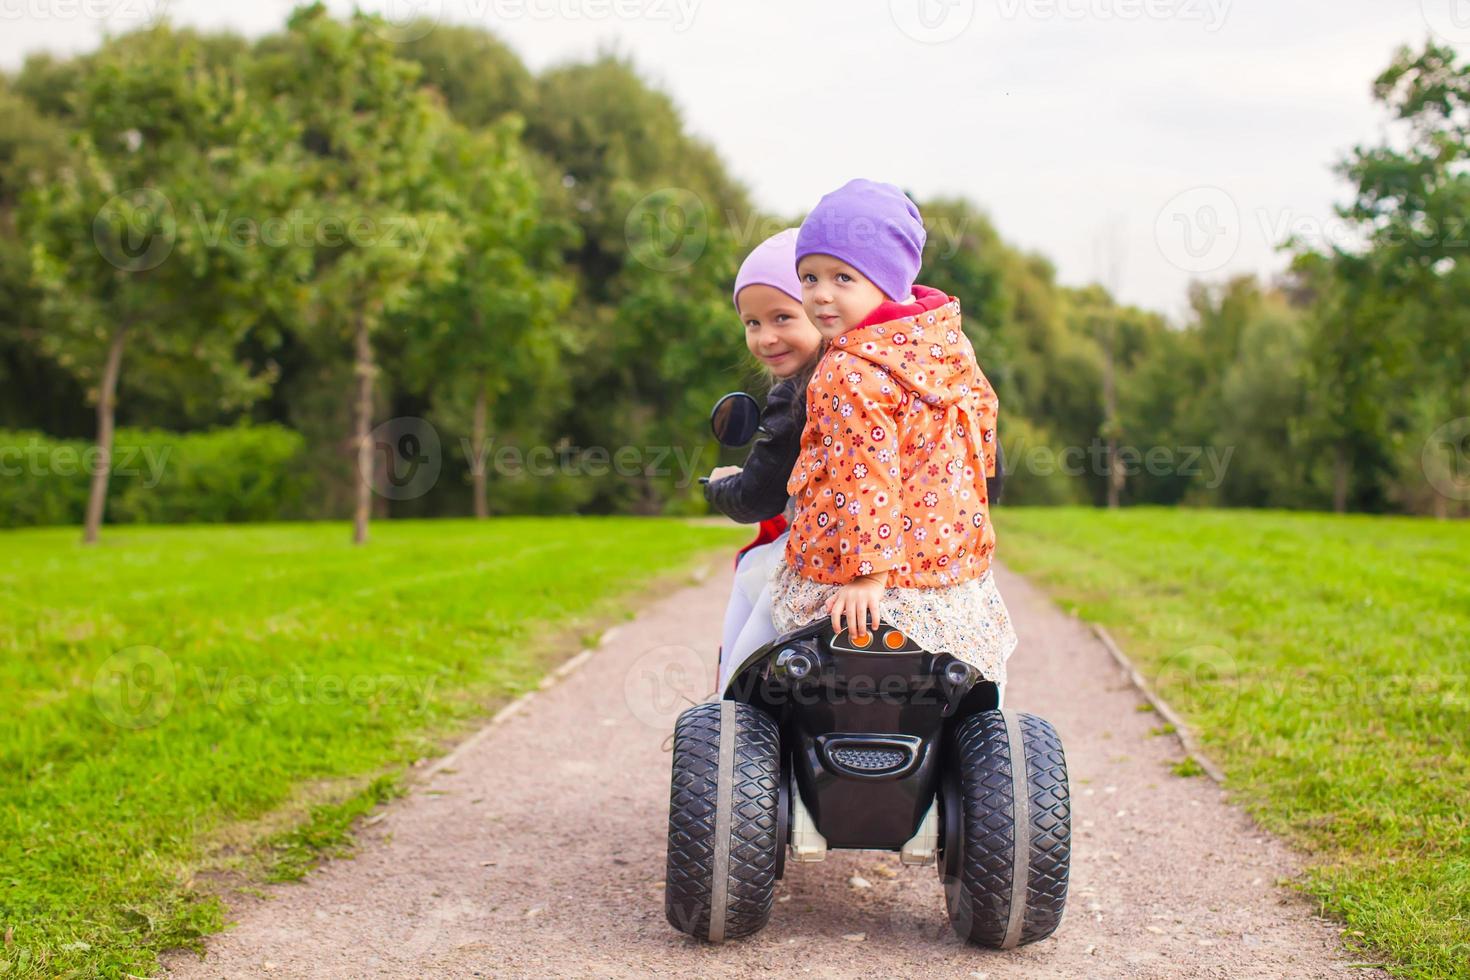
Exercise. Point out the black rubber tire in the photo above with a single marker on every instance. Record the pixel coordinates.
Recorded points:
(753, 845)
(980, 815)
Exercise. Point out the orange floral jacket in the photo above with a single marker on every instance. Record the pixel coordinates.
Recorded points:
(899, 438)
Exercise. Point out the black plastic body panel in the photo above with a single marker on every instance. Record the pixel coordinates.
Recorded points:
(872, 705)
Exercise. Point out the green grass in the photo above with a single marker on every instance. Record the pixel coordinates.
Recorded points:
(186, 707)
(1323, 660)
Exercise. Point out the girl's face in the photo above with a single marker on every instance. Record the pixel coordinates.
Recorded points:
(836, 296)
(777, 330)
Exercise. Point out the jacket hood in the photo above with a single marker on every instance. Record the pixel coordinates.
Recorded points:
(919, 343)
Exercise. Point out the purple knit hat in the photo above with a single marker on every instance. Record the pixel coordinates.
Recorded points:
(872, 227)
(771, 263)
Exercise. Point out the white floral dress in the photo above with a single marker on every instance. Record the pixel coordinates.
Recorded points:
(969, 621)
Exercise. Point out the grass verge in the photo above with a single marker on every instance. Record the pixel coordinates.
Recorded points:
(171, 694)
(1323, 662)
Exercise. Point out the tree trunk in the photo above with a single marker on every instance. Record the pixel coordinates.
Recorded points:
(364, 370)
(1110, 413)
(478, 451)
(106, 414)
(1341, 474)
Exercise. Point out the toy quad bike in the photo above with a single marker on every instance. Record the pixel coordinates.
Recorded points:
(823, 740)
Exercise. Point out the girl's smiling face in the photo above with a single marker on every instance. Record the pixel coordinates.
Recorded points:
(836, 296)
(777, 330)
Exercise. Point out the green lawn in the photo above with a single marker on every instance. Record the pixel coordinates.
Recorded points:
(184, 700)
(1324, 662)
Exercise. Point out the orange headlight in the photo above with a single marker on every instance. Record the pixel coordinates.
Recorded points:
(894, 640)
(860, 642)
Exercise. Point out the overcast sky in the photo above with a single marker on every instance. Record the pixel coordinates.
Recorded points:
(1134, 142)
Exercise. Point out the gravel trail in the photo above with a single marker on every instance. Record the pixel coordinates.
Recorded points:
(537, 849)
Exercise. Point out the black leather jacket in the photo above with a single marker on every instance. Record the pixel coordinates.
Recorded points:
(758, 491)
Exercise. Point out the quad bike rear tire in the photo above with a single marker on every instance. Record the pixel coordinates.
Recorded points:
(724, 827)
(1007, 829)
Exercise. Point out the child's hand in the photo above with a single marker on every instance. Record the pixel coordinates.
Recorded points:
(855, 600)
(721, 472)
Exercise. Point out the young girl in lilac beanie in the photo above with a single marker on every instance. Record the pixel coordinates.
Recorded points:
(892, 519)
(779, 335)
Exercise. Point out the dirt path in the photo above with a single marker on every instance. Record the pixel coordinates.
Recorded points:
(538, 849)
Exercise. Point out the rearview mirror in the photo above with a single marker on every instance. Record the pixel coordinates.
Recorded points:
(735, 419)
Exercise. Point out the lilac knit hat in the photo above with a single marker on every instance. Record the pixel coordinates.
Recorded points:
(771, 263)
(874, 228)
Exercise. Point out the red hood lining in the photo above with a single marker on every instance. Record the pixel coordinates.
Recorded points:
(926, 298)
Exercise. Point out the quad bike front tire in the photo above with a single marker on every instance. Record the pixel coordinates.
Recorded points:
(724, 821)
(1007, 829)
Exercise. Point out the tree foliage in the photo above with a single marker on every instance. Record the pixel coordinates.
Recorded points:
(354, 229)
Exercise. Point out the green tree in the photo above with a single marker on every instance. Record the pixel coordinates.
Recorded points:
(361, 159)
(33, 150)
(478, 76)
(663, 226)
(120, 265)
(1391, 348)
(491, 338)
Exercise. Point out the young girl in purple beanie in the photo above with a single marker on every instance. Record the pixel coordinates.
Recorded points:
(892, 518)
(779, 335)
